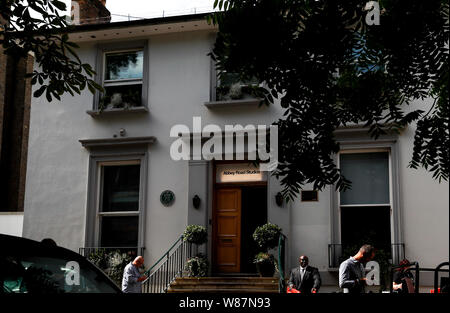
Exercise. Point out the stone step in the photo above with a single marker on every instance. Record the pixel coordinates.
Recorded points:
(222, 285)
(170, 290)
(226, 284)
(200, 280)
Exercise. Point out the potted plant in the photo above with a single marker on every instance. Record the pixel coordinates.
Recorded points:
(197, 266)
(265, 264)
(195, 234)
(266, 237)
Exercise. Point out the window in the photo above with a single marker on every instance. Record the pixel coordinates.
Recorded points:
(123, 72)
(123, 79)
(117, 189)
(230, 87)
(119, 204)
(365, 208)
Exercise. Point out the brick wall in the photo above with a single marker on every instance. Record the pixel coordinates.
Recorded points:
(93, 11)
(15, 102)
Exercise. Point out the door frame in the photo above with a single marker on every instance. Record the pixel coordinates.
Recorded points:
(217, 186)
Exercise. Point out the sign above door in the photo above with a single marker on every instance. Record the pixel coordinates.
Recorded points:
(239, 173)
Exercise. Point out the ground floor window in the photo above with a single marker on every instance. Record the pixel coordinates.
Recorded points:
(365, 209)
(119, 204)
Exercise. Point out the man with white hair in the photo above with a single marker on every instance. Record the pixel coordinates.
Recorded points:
(132, 278)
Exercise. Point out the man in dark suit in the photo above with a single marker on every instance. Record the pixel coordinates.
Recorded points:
(305, 278)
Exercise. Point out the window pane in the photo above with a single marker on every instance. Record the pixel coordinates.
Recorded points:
(126, 65)
(121, 188)
(228, 79)
(369, 174)
(365, 225)
(119, 231)
(122, 96)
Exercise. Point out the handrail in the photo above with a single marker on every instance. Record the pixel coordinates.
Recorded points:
(419, 269)
(164, 255)
(436, 275)
(168, 267)
(281, 259)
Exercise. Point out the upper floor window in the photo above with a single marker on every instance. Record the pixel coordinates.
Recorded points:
(230, 87)
(123, 72)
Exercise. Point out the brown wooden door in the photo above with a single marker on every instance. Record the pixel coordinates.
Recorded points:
(227, 233)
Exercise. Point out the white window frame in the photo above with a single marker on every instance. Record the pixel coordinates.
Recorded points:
(118, 155)
(120, 47)
(99, 199)
(390, 204)
(357, 140)
(215, 82)
(122, 82)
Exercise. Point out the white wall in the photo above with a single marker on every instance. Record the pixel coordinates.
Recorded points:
(425, 206)
(179, 84)
(310, 230)
(11, 223)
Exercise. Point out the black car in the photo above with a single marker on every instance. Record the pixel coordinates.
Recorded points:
(28, 266)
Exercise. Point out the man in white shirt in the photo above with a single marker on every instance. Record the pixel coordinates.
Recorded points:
(132, 278)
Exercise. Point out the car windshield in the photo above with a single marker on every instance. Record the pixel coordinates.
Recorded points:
(39, 274)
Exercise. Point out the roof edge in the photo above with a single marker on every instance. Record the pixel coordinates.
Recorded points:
(142, 22)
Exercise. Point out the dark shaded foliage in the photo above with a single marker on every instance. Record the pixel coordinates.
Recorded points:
(331, 69)
(36, 26)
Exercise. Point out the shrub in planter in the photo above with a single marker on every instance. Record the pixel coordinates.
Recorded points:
(265, 264)
(111, 263)
(197, 266)
(267, 236)
(195, 234)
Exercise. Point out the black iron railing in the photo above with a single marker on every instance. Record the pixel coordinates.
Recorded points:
(168, 267)
(281, 263)
(336, 254)
(416, 269)
(131, 252)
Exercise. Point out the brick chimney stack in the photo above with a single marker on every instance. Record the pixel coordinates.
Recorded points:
(90, 12)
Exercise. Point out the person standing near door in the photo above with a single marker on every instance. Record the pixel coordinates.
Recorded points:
(305, 278)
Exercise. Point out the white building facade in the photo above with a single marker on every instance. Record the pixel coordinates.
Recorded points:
(96, 170)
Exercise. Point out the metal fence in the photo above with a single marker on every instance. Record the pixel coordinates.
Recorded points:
(169, 267)
(132, 252)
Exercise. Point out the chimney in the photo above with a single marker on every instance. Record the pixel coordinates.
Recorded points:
(89, 12)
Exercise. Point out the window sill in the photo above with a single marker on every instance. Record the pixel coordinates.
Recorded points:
(117, 111)
(232, 103)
